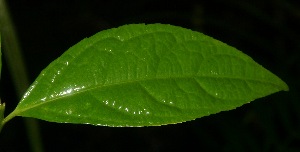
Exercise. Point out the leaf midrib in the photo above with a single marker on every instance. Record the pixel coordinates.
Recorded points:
(139, 81)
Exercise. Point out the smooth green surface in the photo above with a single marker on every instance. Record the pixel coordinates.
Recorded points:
(145, 75)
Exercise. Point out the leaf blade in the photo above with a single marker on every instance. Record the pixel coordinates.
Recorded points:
(143, 75)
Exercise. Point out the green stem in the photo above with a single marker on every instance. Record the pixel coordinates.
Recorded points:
(15, 61)
(7, 118)
(2, 109)
(2, 106)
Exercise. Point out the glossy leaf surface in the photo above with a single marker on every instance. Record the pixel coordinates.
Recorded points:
(144, 75)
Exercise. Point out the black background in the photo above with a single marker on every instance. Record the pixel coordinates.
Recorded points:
(266, 30)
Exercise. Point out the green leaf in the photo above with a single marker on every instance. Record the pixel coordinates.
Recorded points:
(145, 75)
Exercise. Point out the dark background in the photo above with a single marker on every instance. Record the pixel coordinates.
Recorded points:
(266, 30)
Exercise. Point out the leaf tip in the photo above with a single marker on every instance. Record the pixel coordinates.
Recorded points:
(285, 87)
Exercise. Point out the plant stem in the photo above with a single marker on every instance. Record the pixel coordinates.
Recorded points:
(2, 108)
(14, 58)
